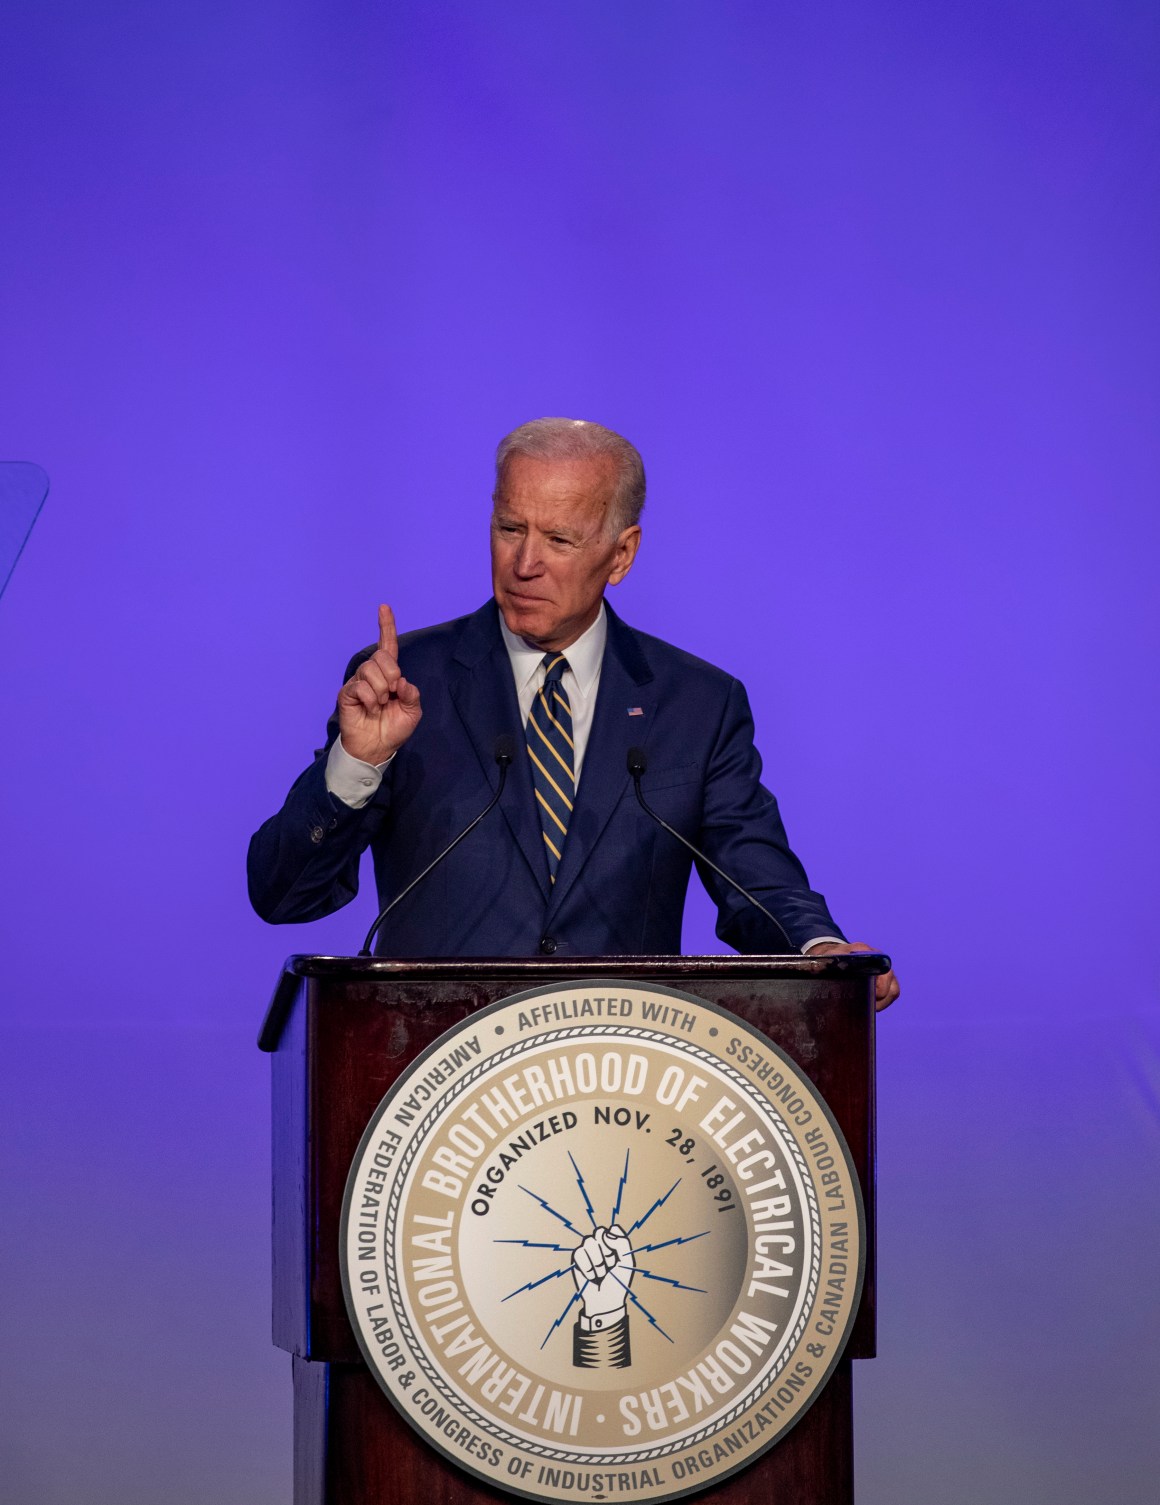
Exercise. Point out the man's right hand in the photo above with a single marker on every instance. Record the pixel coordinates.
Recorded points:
(377, 708)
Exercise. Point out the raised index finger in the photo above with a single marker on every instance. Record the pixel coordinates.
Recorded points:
(388, 633)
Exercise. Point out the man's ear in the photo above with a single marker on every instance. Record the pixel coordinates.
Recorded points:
(626, 546)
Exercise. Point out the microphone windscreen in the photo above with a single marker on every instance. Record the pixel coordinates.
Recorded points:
(505, 748)
(637, 761)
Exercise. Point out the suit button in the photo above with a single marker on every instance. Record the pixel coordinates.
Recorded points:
(547, 945)
(316, 834)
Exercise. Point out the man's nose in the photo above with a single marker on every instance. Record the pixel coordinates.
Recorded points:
(528, 560)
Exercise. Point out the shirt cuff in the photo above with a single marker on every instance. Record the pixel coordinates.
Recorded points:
(350, 779)
(818, 940)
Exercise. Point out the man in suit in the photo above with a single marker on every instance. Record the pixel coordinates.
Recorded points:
(569, 864)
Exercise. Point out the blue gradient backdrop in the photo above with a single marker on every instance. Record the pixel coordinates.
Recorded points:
(874, 289)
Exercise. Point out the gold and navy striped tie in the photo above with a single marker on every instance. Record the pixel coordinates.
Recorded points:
(553, 754)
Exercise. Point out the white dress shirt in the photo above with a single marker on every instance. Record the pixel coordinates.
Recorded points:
(581, 678)
(354, 782)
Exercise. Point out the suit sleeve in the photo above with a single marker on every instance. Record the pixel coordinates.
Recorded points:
(303, 862)
(742, 832)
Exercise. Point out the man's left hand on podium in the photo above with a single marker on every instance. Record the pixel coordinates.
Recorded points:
(886, 988)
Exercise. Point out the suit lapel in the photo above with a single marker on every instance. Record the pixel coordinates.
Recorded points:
(625, 683)
(484, 695)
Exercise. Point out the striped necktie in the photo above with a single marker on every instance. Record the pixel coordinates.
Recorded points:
(553, 752)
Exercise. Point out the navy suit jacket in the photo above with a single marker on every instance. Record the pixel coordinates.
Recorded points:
(620, 889)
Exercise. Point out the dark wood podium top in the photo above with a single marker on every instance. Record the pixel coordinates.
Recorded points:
(533, 971)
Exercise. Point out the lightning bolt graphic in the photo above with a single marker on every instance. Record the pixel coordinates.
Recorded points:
(641, 1307)
(660, 1202)
(529, 1244)
(531, 1285)
(575, 1298)
(648, 1275)
(543, 1280)
(553, 1211)
(583, 1191)
(685, 1238)
(620, 1191)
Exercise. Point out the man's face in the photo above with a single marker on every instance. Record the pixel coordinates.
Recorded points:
(551, 551)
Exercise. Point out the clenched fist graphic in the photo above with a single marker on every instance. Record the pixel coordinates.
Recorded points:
(603, 1267)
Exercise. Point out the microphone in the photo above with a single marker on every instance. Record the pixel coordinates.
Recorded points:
(504, 753)
(637, 767)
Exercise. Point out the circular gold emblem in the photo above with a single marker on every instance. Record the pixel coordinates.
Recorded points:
(602, 1242)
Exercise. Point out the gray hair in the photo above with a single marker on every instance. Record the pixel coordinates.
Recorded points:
(575, 439)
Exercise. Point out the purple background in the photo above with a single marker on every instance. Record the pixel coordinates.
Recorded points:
(873, 289)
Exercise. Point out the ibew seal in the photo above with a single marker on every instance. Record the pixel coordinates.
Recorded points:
(602, 1241)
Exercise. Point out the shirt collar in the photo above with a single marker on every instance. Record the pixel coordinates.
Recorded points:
(584, 656)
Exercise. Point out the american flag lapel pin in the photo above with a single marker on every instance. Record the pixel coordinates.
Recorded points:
(636, 710)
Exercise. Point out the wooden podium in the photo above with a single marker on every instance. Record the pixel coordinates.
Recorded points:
(341, 1030)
